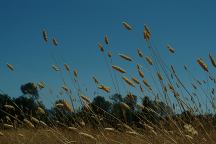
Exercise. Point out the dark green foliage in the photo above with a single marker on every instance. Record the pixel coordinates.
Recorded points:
(155, 110)
(107, 112)
(99, 105)
(31, 89)
(116, 98)
(25, 106)
(131, 101)
(124, 115)
(60, 114)
(28, 105)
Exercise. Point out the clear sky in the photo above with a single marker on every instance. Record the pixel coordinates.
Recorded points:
(188, 25)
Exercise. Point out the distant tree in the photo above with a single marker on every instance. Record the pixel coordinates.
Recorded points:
(117, 111)
(147, 102)
(27, 105)
(154, 110)
(163, 109)
(126, 115)
(99, 105)
(116, 105)
(131, 101)
(116, 98)
(31, 89)
(60, 113)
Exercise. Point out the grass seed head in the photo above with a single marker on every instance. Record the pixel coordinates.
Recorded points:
(131, 97)
(10, 67)
(159, 76)
(66, 66)
(9, 107)
(109, 54)
(125, 57)
(73, 129)
(59, 105)
(126, 26)
(106, 39)
(75, 73)
(190, 129)
(194, 86)
(8, 118)
(43, 123)
(212, 59)
(1, 133)
(67, 106)
(185, 67)
(129, 82)
(124, 106)
(140, 106)
(132, 133)
(100, 47)
(140, 53)
(171, 87)
(56, 68)
(87, 136)
(82, 123)
(95, 80)
(134, 79)
(141, 88)
(202, 64)
(171, 50)
(45, 35)
(146, 83)
(40, 110)
(28, 123)
(20, 135)
(141, 73)
(8, 126)
(118, 69)
(41, 84)
(109, 129)
(55, 42)
(138, 66)
(189, 137)
(149, 60)
(146, 33)
(104, 88)
(85, 99)
(65, 88)
(35, 120)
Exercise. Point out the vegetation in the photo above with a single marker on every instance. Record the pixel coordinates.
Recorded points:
(159, 108)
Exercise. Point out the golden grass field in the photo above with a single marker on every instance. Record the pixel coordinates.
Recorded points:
(44, 136)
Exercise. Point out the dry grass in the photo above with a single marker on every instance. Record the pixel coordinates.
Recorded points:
(91, 136)
(169, 87)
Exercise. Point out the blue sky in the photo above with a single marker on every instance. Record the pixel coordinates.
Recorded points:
(189, 26)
